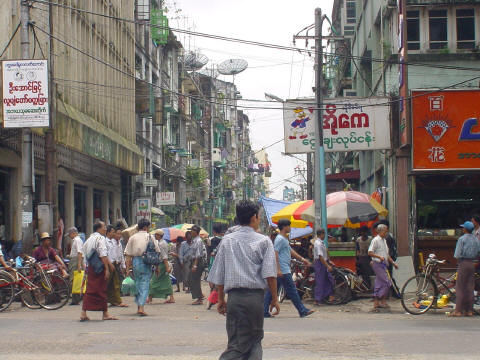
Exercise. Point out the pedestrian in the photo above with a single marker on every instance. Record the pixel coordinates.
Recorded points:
(466, 253)
(161, 284)
(284, 255)
(243, 268)
(476, 224)
(392, 251)
(46, 254)
(199, 255)
(98, 273)
(76, 260)
(142, 273)
(378, 251)
(2, 261)
(115, 257)
(214, 242)
(186, 259)
(323, 268)
(363, 260)
(177, 264)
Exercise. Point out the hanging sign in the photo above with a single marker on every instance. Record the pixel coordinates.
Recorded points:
(165, 198)
(446, 130)
(348, 125)
(143, 209)
(25, 93)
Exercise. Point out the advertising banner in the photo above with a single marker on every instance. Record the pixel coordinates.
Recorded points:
(349, 124)
(25, 93)
(143, 209)
(446, 130)
(165, 198)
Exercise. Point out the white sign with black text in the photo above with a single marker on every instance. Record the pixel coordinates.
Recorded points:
(165, 198)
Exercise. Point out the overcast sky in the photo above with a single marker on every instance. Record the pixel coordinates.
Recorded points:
(285, 74)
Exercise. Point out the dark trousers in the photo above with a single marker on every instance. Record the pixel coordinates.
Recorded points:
(196, 280)
(464, 286)
(290, 290)
(244, 325)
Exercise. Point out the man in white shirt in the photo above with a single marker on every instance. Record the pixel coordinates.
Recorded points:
(476, 223)
(95, 298)
(76, 260)
(378, 251)
(323, 278)
(115, 257)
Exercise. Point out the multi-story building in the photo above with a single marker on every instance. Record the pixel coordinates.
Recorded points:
(95, 152)
(439, 41)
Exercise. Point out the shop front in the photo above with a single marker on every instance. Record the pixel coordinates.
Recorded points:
(446, 170)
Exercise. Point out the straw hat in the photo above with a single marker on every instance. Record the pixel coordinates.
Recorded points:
(157, 231)
(44, 236)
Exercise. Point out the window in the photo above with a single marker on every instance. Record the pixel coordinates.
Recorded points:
(351, 12)
(438, 29)
(465, 29)
(413, 30)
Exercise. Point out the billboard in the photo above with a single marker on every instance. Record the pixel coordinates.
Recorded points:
(349, 124)
(25, 93)
(143, 209)
(165, 198)
(445, 129)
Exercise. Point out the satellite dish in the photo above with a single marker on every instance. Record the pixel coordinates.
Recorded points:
(210, 72)
(195, 61)
(232, 66)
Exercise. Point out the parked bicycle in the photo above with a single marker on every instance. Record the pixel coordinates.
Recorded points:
(35, 287)
(428, 290)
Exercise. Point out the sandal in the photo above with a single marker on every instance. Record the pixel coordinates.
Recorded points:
(197, 302)
(110, 318)
(455, 314)
(83, 319)
(375, 310)
(141, 313)
(169, 302)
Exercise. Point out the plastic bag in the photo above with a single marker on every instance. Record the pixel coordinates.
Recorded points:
(128, 287)
(78, 286)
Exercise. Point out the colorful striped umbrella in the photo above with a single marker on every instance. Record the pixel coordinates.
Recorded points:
(171, 234)
(295, 212)
(186, 227)
(344, 208)
(352, 208)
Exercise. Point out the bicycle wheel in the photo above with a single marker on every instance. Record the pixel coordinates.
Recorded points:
(418, 294)
(28, 299)
(7, 290)
(341, 289)
(53, 294)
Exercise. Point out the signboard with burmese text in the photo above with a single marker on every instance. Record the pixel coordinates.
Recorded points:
(349, 124)
(446, 129)
(25, 93)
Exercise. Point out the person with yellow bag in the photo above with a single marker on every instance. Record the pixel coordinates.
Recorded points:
(76, 266)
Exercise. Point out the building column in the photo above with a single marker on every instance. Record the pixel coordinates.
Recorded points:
(105, 205)
(402, 208)
(89, 211)
(69, 205)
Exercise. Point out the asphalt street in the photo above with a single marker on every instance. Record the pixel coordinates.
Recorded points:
(182, 331)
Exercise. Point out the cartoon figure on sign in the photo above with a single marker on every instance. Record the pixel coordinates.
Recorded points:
(299, 125)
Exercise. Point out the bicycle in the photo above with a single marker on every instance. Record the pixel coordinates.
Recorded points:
(428, 289)
(35, 286)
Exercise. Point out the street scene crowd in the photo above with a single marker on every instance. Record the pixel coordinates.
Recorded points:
(239, 261)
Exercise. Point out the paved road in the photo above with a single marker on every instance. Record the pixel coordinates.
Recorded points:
(182, 331)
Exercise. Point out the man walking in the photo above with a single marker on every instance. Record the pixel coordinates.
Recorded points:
(76, 260)
(95, 250)
(115, 257)
(198, 265)
(244, 265)
(185, 258)
(378, 251)
(284, 255)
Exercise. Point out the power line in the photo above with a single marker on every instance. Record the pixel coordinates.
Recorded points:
(10, 40)
(256, 43)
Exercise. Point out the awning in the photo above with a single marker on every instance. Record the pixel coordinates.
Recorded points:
(83, 133)
(272, 206)
(157, 211)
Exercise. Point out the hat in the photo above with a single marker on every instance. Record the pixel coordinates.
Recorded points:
(44, 236)
(195, 228)
(468, 225)
(157, 231)
(72, 230)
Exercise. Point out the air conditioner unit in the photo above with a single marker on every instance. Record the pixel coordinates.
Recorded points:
(216, 154)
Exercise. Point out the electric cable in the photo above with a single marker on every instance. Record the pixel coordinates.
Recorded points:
(10, 41)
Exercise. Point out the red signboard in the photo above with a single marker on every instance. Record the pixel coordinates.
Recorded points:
(446, 129)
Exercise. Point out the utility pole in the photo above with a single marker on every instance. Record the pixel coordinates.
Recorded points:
(320, 179)
(51, 191)
(309, 177)
(27, 148)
